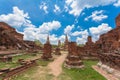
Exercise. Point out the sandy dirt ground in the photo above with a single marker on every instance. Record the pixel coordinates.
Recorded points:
(104, 73)
(56, 65)
(52, 71)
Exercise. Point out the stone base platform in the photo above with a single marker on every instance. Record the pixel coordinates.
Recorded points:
(110, 71)
(73, 62)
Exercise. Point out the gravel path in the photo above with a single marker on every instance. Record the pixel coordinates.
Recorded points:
(56, 65)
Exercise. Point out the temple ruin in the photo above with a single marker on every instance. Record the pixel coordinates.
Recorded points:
(47, 50)
(73, 59)
(57, 49)
(66, 43)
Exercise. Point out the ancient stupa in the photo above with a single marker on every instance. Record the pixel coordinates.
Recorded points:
(47, 50)
(73, 59)
(57, 50)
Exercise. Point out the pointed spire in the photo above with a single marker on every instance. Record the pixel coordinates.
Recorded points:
(48, 41)
(66, 38)
(89, 39)
(59, 43)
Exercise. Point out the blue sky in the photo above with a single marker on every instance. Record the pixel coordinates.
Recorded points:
(76, 18)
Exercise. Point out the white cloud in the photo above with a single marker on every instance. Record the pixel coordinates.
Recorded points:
(16, 19)
(97, 16)
(68, 29)
(75, 7)
(49, 26)
(57, 8)
(97, 31)
(81, 36)
(117, 4)
(41, 33)
(44, 7)
(77, 33)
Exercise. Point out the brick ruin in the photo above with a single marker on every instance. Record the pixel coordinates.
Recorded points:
(10, 39)
(47, 50)
(66, 43)
(88, 51)
(6, 59)
(59, 43)
(57, 50)
(73, 59)
(6, 74)
(108, 47)
(89, 47)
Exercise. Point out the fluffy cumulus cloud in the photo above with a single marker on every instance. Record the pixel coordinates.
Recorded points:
(49, 26)
(81, 36)
(41, 33)
(75, 7)
(44, 7)
(57, 8)
(117, 4)
(97, 31)
(16, 19)
(97, 16)
(68, 29)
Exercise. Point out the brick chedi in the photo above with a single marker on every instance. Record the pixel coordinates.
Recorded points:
(88, 51)
(90, 47)
(73, 59)
(57, 50)
(66, 43)
(47, 50)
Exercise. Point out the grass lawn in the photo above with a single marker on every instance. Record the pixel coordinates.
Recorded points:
(14, 61)
(86, 73)
(28, 74)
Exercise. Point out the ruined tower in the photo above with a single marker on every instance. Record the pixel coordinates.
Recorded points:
(47, 50)
(66, 43)
(48, 41)
(59, 43)
(89, 39)
(73, 59)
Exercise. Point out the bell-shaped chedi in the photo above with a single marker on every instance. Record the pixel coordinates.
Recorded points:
(47, 50)
(73, 59)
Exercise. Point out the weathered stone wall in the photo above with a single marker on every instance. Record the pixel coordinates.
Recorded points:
(9, 38)
(110, 59)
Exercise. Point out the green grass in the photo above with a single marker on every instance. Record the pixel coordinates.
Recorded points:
(14, 62)
(42, 62)
(87, 73)
(27, 75)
